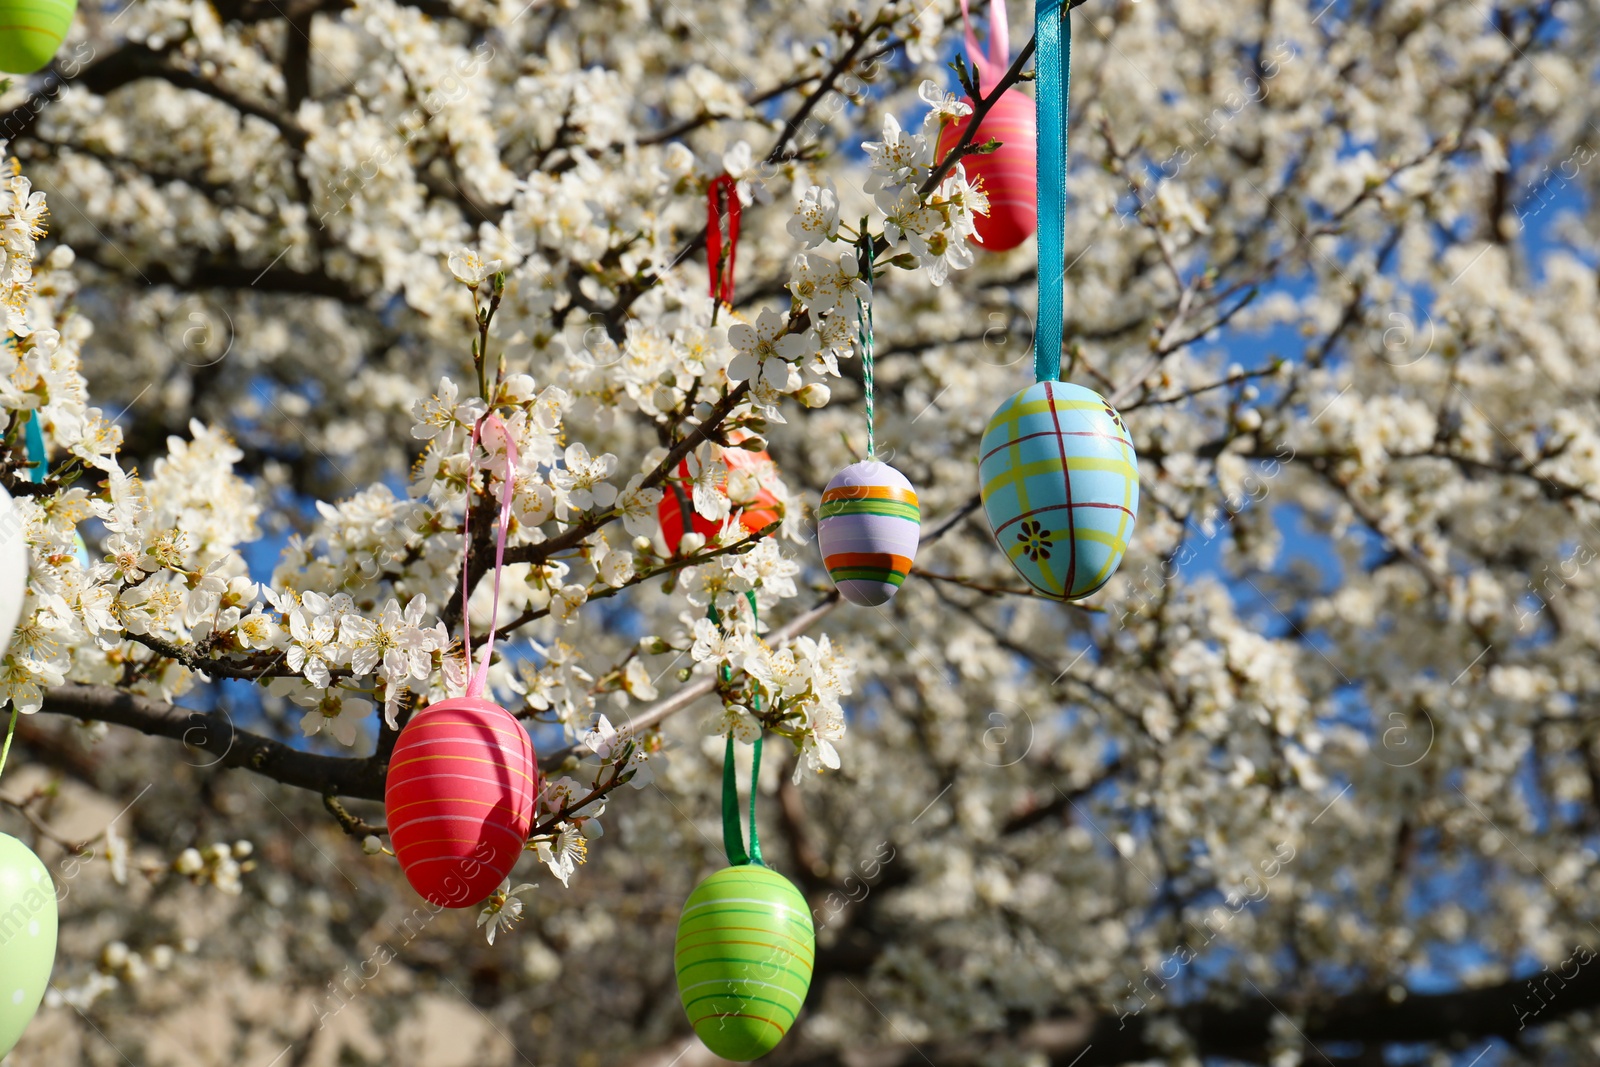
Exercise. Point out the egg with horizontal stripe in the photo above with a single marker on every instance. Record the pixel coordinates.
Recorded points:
(744, 955)
(1060, 486)
(31, 31)
(27, 937)
(868, 528)
(459, 796)
(1007, 174)
(754, 511)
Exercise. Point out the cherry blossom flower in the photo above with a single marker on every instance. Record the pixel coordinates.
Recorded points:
(333, 712)
(766, 349)
(564, 853)
(503, 909)
(816, 216)
(470, 268)
(948, 106)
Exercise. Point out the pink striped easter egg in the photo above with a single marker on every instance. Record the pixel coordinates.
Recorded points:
(459, 796)
(1006, 174)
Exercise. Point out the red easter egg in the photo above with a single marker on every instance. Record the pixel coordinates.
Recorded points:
(677, 513)
(1007, 174)
(459, 796)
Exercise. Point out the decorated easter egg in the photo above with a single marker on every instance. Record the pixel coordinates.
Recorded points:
(31, 31)
(677, 513)
(27, 937)
(744, 956)
(13, 568)
(1007, 174)
(868, 529)
(459, 796)
(1060, 485)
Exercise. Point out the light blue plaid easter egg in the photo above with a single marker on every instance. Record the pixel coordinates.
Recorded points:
(1060, 485)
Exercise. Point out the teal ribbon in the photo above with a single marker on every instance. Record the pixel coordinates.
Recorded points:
(732, 838)
(33, 434)
(1052, 75)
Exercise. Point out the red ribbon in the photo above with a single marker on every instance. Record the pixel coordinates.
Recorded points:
(722, 197)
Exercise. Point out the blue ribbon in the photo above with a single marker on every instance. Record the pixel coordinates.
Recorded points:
(33, 434)
(1052, 75)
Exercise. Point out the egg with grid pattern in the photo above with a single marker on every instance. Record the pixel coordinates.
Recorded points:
(1060, 486)
(744, 955)
(31, 31)
(27, 937)
(867, 528)
(1008, 174)
(676, 511)
(459, 796)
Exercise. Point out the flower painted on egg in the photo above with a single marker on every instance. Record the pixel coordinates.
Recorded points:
(1035, 540)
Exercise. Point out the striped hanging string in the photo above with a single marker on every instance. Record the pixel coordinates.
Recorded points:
(1052, 73)
(864, 339)
(732, 839)
(722, 201)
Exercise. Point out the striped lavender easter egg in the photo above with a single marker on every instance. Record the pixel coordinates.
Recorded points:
(459, 795)
(868, 529)
(1007, 174)
(31, 31)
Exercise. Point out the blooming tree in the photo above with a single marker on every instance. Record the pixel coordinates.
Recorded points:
(1315, 778)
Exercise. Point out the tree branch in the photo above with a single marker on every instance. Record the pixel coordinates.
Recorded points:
(217, 735)
(1243, 1031)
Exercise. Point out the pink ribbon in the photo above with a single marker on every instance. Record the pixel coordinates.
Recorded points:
(990, 68)
(479, 674)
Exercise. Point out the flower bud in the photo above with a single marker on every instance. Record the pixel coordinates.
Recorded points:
(814, 395)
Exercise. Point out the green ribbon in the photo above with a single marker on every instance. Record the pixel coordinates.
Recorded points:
(732, 837)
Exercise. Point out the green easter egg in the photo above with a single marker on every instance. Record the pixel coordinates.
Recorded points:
(31, 31)
(27, 937)
(744, 956)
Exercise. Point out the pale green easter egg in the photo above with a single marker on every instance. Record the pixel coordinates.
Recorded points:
(27, 937)
(31, 31)
(744, 955)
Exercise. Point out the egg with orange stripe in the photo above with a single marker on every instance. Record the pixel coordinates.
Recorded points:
(868, 529)
(31, 31)
(744, 955)
(459, 796)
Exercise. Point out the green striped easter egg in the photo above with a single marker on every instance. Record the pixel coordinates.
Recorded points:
(744, 955)
(31, 31)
